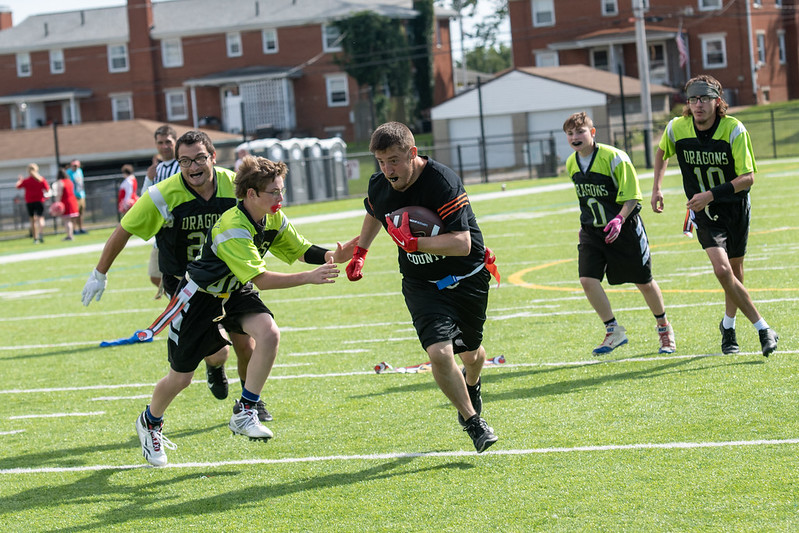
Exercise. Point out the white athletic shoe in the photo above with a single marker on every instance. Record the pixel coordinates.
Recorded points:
(153, 441)
(667, 344)
(245, 422)
(614, 337)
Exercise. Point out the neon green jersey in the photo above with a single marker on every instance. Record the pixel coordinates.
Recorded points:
(234, 251)
(179, 218)
(709, 158)
(608, 183)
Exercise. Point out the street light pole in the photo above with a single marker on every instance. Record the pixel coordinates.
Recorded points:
(643, 74)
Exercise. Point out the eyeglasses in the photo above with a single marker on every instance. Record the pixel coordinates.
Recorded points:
(201, 159)
(277, 193)
(703, 99)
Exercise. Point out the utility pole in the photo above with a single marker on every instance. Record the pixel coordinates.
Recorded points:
(643, 73)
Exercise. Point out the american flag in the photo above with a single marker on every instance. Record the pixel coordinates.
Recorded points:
(682, 49)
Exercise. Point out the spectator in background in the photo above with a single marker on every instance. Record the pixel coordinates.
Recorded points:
(35, 187)
(75, 173)
(127, 190)
(241, 152)
(164, 165)
(65, 202)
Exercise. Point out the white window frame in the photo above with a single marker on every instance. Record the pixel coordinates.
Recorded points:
(541, 7)
(172, 52)
(782, 48)
(333, 83)
(24, 66)
(116, 109)
(233, 44)
(613, 5)
(760, 37)
(709, 5)
(57, 65)
(118, 52)
(710, 38)
(606, 68)
(330, 34)
(546, 58)
(268, 36)
(176, 110)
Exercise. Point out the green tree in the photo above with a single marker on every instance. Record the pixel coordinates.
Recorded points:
(375, 54)
(489, 59)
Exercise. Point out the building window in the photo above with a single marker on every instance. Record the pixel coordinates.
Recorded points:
(233, 40)
(56, 61)
(757, 3)
(714, 51)
(117, 58)
(546, 58)
(121, 106)
(543, 13)
(176, 108)
(23, 64)
(337, 90)
(610, 7)
(709, 5)
(330, 38)
(269, 38)
(781, 41)
(600, 59)
(778, 3)
(761, 48)
(172, 52)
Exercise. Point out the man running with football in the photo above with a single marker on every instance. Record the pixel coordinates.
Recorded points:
(445, 277)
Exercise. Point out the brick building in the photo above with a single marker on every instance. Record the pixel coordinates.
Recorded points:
(233, 65)
(750, 46)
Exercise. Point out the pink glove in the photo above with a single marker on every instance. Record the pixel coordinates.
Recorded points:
(356, 263)
(402, 235)
(613, 229)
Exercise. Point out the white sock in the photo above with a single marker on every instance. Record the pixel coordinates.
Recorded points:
(761, 324)
(728, 322)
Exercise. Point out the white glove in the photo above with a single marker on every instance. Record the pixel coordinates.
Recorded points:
(94, 287)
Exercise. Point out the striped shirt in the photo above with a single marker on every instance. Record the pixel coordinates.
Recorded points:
(162, 172)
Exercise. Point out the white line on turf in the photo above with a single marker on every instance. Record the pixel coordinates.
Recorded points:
(12, 432)
(57, 415)
(411, 455)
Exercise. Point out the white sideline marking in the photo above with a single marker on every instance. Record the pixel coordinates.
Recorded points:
(411, 455)
(13, 432)
(57, 415)
(112, 398)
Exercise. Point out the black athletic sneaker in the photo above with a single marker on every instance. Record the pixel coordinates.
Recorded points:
(217, 381)
(768, 341)
(729, 342)
(474, 396)
(482, 435)
(263, 414)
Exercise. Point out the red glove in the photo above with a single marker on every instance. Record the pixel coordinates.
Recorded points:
(402, 235)
(613, 229)
(356, 263)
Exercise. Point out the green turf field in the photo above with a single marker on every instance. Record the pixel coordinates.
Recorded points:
(635, 441)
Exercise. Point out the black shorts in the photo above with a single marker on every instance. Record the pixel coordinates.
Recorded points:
(454, 314)
(170, 284)
(35, 209)
(727, 227)
(195, 334)
(625, 260)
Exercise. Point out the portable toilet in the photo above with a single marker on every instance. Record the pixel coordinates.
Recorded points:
(334, 153)
(297, 179)
(315, 167)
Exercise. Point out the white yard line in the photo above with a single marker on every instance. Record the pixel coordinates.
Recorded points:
(412, 455)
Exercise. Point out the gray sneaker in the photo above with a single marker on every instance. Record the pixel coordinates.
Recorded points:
(245, 422)
(768, 341)
(482, 435)
(153, 441)
(729, 342)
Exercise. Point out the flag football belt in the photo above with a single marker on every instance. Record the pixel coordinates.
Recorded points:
(489, 261)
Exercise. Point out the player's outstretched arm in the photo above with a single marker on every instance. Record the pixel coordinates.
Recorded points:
(97, 281)
(326, 273)
(657, 182)
(343, 251)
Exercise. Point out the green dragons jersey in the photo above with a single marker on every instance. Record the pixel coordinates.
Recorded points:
(608, 183)
(234, 251)
(709, 158)
(179, 218)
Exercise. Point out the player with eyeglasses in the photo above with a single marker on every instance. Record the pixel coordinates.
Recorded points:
(718, 168)
(179, 211)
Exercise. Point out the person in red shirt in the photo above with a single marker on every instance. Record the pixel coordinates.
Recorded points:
(127, 190)
(35, 189)
(65, 202)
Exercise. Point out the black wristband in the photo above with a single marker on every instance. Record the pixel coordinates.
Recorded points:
(315, 255)
(725, 189)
